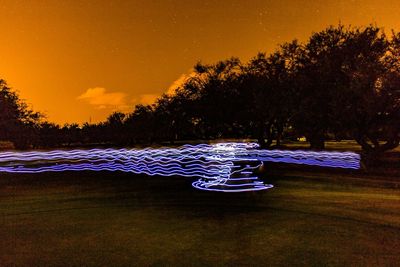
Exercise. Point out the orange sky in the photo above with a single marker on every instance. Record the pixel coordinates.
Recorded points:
(79, 60)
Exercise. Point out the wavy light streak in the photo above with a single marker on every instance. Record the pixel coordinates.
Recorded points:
(227, 167)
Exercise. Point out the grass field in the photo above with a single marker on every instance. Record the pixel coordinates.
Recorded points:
(310, 218)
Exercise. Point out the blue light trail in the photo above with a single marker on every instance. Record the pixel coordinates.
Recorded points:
(226, 167)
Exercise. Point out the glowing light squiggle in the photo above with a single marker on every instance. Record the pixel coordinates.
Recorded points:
(227, 167)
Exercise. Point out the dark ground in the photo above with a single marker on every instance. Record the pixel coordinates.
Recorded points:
(312, 217)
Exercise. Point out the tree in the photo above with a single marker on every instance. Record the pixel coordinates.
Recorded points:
(374, 111)
(114, 128)
(18, 123)
(319, 81)
(217, 97)
(49, 135)
(267, 87)
(140, 124)
(71, 134)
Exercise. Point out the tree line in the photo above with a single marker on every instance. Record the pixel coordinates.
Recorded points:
(342, 83)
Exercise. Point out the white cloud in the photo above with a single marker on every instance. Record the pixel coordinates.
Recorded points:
(101, 99)
(147, 99)
(179, 82)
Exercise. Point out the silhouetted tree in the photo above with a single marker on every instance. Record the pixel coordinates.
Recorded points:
(217, 93)
(18, 123)
(372, 110)
(71, 134)
(114, 128)
(49, 135)
(321, 79)
(140, 124)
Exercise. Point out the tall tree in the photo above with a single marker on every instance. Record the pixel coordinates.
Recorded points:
(320, 76)
(18, 123)
(373, 108)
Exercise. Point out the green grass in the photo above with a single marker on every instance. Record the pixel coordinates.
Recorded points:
(310, 218)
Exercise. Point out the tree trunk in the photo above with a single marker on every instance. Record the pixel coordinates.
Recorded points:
(279, 129)
(373, 152)
(260, 135)
(262, 130)
(261, 140)
(317, 141)
(269, 136)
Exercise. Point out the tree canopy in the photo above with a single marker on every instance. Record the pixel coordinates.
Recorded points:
(18, 123)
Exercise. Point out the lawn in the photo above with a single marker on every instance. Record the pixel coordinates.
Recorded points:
(310, 218)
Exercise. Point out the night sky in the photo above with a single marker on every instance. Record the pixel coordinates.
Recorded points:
(81, 60)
